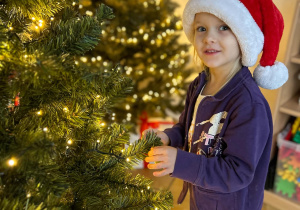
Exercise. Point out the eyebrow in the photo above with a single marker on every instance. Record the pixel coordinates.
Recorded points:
(199, 22)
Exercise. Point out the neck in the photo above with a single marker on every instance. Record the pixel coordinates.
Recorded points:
(219, 78)
(223, 75)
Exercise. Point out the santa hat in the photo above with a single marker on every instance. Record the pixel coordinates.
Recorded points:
(257, 25)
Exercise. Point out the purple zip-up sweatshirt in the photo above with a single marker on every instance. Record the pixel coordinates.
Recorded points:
(230, 148)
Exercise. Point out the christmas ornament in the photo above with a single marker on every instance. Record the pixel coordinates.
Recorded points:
(17, 100)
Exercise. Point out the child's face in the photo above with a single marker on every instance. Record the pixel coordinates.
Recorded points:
(214, 42)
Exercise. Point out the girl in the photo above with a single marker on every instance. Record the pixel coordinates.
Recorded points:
(225, 130)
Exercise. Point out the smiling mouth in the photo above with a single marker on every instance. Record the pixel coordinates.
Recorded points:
(211, 52)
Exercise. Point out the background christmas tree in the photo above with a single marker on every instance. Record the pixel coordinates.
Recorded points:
(144, 39)
(55, 150)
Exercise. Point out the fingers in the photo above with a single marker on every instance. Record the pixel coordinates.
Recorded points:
(153, 159)
(160, 165)
(159, 150)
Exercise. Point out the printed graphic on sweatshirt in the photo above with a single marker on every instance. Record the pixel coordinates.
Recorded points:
(209, 143)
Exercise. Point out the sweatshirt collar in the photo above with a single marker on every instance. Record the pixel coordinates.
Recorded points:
(234, 83)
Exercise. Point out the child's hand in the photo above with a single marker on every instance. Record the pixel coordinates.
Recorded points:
(164, 158)
(164, 138)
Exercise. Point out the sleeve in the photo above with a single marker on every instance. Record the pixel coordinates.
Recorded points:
(246, 137)
(176, 134)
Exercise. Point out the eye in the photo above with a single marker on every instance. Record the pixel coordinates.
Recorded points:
(224, 28)
(200, 29)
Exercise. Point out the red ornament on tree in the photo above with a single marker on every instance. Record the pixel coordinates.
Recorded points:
(17, 100)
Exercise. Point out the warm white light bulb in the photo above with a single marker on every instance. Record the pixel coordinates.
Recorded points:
(89, 13)
(83, 59)
(12, 162)
(146, 36)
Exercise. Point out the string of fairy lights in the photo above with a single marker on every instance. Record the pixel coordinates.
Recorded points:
(13, 161)
(141, 35)
(176, 62)
(37, 25)
(137, 37)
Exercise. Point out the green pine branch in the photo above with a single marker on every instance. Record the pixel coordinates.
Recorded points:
(73, 34)
(34, 8)
(54, 150)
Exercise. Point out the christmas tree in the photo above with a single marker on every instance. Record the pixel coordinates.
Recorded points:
(56, 152)
(144, 39)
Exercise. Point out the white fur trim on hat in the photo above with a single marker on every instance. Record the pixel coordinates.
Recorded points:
(236, 16)
(271, 77)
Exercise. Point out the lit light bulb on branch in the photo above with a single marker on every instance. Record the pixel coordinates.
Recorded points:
(12, 162)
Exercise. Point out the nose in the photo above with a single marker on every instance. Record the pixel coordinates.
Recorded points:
(210, 37)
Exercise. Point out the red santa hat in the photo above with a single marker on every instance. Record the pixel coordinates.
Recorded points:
(257, 25)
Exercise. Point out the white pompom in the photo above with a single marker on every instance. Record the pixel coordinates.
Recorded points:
(271, 77)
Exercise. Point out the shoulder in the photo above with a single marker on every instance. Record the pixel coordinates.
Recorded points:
(251, 92)
(249, 96)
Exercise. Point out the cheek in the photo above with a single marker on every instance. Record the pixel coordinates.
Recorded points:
(197, 43)
(233, 43)
(233, 46)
